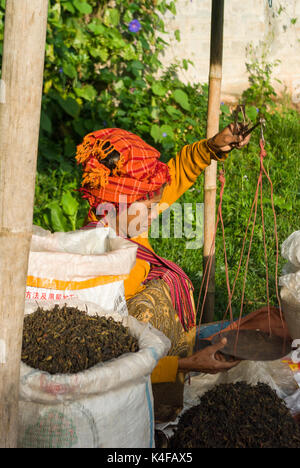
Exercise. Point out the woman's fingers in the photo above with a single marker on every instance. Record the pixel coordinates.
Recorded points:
(217, 346)
(224, 364)
(208, 360)
(231, 137)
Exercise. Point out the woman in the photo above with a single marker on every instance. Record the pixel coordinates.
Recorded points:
(120, 169)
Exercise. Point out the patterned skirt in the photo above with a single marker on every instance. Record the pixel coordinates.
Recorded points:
(154, 305)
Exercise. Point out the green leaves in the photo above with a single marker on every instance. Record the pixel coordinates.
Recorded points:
(284, 204)
(46, 122)
(128, 52)
(251, 113)
(96, 27)
(225, 109)
(174, 113)
(136, 67)
(167, 131)
(111, 17)
(83, 7)
(87, 92)
(69, 204)
(69, 105)
(59, 222)
(172, 8)
(70, 207)
(61, 215)
(69, 70)
(160, 133)
(181, 98)
(177, 35)
(155, 132)
(67, 5)
(158, 89)
(98, 74)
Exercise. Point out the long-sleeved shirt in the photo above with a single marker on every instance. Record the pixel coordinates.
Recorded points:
(185, 168)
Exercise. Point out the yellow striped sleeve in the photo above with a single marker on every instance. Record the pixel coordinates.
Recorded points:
(166, 370)
(185, 169)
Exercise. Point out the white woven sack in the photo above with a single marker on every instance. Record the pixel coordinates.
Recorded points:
(291, 311)
(290, 284)
(90, 265)
(107, 406)
(290, 249)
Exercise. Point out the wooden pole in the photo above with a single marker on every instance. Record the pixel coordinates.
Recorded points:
(20, 104)
(214, 96)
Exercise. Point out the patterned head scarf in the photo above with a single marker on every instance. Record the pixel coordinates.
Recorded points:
(136, 172)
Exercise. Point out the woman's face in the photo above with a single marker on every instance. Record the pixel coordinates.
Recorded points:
(138, 217)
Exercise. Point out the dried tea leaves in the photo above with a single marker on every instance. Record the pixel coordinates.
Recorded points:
(67, 340)
(237, 416)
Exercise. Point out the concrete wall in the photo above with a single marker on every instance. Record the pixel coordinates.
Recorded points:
(245, 22)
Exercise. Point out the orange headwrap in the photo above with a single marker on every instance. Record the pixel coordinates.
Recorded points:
(137, 174)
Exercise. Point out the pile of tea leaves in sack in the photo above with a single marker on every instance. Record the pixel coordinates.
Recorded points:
(65, 340)
(237, 416)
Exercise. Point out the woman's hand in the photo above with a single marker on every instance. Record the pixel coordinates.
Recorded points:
(208, 360)
(229, 138)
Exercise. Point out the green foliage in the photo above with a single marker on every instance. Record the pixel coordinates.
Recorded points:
(97, 69)
(261, 91)
(282, 136)
(58, 205)
(99, 73)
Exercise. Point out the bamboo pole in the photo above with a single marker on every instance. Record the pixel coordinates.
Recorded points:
(214, 96)
(21, 91)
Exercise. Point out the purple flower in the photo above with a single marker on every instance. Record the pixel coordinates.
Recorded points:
(134, 26)
(131, 90)
(222, 103)
(164, 135)
(60, 70)
(257, 110)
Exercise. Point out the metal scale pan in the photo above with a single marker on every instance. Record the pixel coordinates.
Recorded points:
(253, 345)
